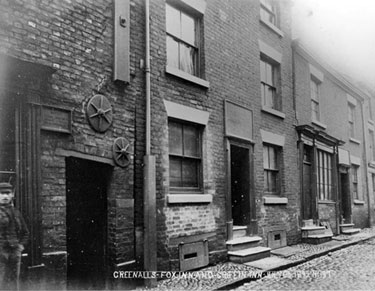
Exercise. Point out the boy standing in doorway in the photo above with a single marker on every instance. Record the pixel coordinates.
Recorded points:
(13, 236)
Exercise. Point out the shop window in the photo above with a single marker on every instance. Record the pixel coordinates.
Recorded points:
(325, 184)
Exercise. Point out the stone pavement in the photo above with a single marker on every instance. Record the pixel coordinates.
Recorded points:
(227, 276)
(350, 268)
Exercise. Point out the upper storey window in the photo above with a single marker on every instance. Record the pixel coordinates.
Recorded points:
(315, 92)
(268, 79)
(182, 40)
(268, 11)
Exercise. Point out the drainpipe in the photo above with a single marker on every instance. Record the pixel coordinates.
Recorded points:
(365, 159)
(149, 188)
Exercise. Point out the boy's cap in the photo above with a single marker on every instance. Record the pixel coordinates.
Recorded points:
(5, 185)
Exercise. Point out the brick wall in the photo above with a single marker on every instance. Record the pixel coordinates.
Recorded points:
(76, 39)
(231, 61)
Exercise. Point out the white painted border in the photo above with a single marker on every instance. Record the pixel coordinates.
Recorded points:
(316, 73)
(270, 52)
(186, 113)
(272, 138)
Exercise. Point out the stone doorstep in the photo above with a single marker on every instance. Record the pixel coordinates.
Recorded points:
(312, 230)
(351, 231)
(250, 254)
(323, 235)
(307, 223)
(317, 238)
(288, 264)
(346, 224)
(244, 242)
(239, 231)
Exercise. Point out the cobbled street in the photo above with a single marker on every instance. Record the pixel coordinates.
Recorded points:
(352, 268)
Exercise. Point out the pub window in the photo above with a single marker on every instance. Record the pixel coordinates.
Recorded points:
(325, 185)
(185, 156)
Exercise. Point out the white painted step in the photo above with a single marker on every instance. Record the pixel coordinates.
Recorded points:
(312, 230)
(244, 242)
(239, 231)
(320, 235)
(250, 254)
(351, 231)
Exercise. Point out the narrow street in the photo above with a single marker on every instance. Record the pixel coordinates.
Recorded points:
(351, 268)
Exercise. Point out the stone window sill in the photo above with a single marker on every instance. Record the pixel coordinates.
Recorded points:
(189, 198)
(318, 123)
(273, 112)
(183, 75)
(272, 27)
(326, 202)
(275, 200)
(353, 140)
(371, 164)
(358, 202)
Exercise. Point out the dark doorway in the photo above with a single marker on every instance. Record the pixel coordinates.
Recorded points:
(346, 209)
(86, 220)
(308, 201)
(240, 184)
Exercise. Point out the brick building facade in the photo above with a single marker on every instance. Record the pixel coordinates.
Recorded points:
(333, 117)
(223, 111)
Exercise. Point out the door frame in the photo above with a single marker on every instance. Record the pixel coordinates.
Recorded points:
(348, 195)
(252, 227)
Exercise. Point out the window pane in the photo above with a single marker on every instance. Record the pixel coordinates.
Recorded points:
(190, 173)
(187, 59)
(175, 172)
(266, 183)
(273, 162)
(262, 71)
(314, 90)
(273, 181)
(315, 110)
(191, 141)
(188, 29)
(269, 97)
(265, 157)
(269, 74)
(173, 21)
(175, 138)
(172, 52)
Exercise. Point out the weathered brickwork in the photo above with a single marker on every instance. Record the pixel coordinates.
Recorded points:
(75, 38)
(231, 65)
